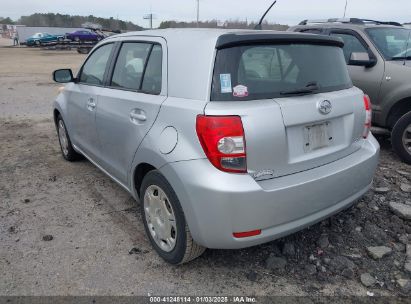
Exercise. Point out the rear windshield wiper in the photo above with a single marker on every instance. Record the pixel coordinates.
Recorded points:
(311, 87)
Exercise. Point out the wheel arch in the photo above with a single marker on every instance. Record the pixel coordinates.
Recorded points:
(140, 171)
(56, 114)
(400, 108)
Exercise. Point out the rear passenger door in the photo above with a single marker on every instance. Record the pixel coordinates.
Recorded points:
(129, 104)
(367, 79)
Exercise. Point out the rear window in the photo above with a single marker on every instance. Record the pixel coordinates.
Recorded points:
(267, 71)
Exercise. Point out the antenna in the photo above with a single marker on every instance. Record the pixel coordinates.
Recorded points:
(345, 9)
(258, 26)
(198, 12)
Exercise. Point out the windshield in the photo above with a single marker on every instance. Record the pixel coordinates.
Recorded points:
(393, 43)
(267, 71)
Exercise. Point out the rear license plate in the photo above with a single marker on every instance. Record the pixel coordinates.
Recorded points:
(317, 136)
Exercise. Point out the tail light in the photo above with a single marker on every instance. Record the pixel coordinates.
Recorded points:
(368, 116)
(222, 139)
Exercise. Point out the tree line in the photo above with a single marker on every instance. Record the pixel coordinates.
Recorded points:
(231, 24)
(60, 20)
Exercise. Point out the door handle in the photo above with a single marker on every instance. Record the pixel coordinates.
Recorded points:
(91, 104)
(137, 116)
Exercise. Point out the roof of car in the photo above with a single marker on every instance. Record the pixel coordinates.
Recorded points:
(173, 32)
(346, 25)
(194, 34)
(222, 38)
(353, 23)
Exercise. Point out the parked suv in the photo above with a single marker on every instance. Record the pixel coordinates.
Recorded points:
(378, 55)
(229, 139)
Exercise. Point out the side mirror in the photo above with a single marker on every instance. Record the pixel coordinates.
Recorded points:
(63, 76)
(362, 59)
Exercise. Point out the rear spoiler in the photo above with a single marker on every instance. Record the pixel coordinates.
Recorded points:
(236, 39)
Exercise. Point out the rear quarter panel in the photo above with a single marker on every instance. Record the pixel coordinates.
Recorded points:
(180, 114)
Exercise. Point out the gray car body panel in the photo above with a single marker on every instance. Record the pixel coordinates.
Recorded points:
(304, 188)
(387, 83)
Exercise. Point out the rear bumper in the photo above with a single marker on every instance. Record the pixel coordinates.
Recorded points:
(216, 204)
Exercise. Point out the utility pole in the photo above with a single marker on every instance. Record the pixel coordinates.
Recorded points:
(198, 12)
(149, 17)
(345, 9)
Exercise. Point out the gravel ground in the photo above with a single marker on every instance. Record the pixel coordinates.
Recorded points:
(67, 229)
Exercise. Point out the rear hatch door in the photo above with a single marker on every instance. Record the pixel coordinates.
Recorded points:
(290, 125)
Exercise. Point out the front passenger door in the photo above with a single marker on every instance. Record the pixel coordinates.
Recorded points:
(83, 100)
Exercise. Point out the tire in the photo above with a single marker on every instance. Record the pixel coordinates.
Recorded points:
(401, 138)
(37, 42)
(65, 143)
(60, 39)
(185, 248)
(76, 39)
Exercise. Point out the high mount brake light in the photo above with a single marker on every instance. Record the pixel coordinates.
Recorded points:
(368, 116)
(223, 142)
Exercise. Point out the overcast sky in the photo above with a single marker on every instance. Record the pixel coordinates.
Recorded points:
(285, 12)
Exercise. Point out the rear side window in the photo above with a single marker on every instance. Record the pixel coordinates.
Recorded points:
(153, 73)
(130, 64)
(94, 68)
(139, 68)
(267, 71)
(351, 45)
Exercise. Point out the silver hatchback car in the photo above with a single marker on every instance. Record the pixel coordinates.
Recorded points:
(228, 138)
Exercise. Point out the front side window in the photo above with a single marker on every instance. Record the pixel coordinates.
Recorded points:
(129, 67)
(267, 71)
(351, 45)
(393, 43)
(93, 70)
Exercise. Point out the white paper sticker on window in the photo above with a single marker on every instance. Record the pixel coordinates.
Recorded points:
(225, 83)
